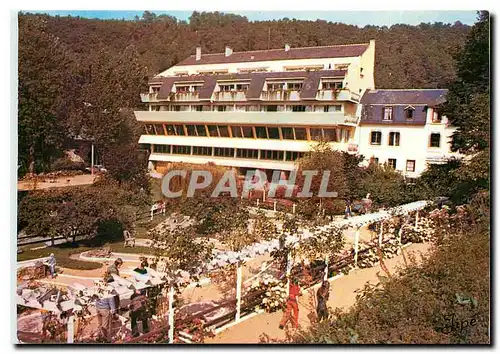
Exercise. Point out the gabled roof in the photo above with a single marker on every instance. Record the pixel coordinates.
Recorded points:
(335, 51)
(407, 97)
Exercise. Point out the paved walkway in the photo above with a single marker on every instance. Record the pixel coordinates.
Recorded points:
(342, 295)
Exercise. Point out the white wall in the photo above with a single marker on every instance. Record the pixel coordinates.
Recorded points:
(414, 144)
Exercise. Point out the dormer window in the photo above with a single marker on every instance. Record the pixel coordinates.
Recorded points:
(226, 88)
(436, 117)
(294, 86)
(182, 89)
(242, 87)
(388, 113)
(337, 85)
(409, 112)
(275, 86)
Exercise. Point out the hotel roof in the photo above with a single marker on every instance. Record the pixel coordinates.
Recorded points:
(428, 97)
(334, 51)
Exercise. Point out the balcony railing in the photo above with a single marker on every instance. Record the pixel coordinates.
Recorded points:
(184, 96)
(229, 96)
(148, 97)
(337, 95)
(282, 95)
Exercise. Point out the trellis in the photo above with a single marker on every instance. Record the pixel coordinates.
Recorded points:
(125, 287)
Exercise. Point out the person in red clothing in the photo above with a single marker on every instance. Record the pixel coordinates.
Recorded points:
(292, 307)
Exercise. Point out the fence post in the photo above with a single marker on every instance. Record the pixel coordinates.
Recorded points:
(293, 208)
(71, 328)
(152, 213)
(356, 244)
(274, 206)
(257, 202)
(416, 220)
(171, 315)
(288, 272)
(400, 233)
(381, 234)
(326, 269)
(238, 291)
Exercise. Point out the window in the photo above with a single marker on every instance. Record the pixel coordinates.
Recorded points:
(435, 140)
(341, 66)
(200, 129)
(155, 108)
(159, 129)
(155, 89)
(224, 152)
(196, 88)
(394, 138)
(162, 149)
(247, 132)
(293, 155)
(191, 130)
(202, 150)
(170, 129)
(287, 133)
(261, 132)
(376, 138)
(409, 113)
(346, 134)
(252, 108)
(181, 150)
(410, 165)
(334, 108)
(226, 88)
(316, 134)
(236, 130)
(392, 163)
(332, 85)
(275, 86)
(330, 134)
(436, 117)
(271, 108)
(179, 129)
(273, 133)
(271, 155)
(221, 108)
(223, 131)
(294, 86)
(176, 108)
(150, 129)
(387, 113)
(298, 108)
(242, 87)
(247, 153)
(212, 131)
(300, 133)
(199, 108)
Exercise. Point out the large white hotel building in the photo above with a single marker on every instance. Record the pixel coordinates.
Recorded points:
(264, 109)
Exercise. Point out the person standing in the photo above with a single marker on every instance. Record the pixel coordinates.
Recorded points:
(138, 311)
(348, 208)
(106, 309)
(322, 297)
(292, 307)
(51, 263)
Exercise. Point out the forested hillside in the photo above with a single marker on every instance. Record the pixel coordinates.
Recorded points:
(78, 76)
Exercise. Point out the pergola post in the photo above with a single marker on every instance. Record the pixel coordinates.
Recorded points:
(416, 219)
(171, 315)
(356, 244)
(325, 278)
(238, 291)
(71, 328)
(381, 234)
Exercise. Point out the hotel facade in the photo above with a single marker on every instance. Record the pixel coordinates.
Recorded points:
(265, 109)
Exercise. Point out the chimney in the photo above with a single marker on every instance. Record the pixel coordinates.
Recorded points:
(198, 53)
(287, 47)
(229, 51)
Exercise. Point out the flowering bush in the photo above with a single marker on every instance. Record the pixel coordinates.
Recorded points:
(272, 293)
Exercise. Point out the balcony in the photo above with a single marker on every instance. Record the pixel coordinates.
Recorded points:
(229, 96)
(282, 95)
(184, 96)
(337, 95)
(149, 97)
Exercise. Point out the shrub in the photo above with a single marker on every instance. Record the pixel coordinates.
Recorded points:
(65, 164)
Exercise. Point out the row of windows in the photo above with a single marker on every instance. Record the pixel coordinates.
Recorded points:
(395, 137)
(277, 155)
(271, 86)
(251, 132)
(409, 113)
(410, 164)
(247, 108)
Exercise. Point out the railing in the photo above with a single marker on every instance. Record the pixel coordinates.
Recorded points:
(149, 97)
(281, 95)
(184, 96)
(229, 96)
(337, 95)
